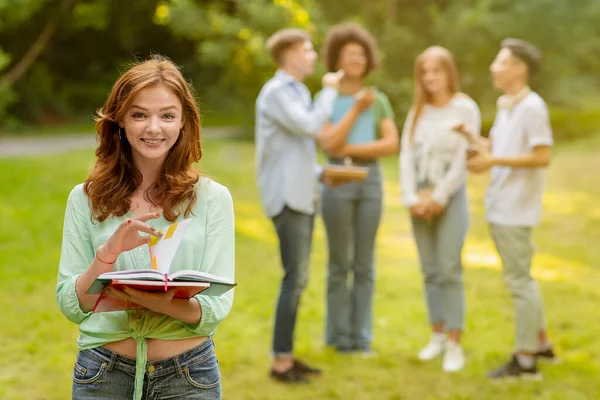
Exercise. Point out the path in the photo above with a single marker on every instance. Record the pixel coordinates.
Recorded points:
(15, 146)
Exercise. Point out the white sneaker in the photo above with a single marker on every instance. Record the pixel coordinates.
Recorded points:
(454, 357)
(434, 348)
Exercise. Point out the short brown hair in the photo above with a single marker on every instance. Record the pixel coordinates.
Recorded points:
(342, 34)
(526, 52)
(282, 40)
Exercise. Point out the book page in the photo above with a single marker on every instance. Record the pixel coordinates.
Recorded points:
(199, 276)
(133, 274)
(163, 249)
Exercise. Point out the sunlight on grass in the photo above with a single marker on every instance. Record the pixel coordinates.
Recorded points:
(570, 202)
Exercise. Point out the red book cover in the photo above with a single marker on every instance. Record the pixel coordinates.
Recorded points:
(185, 290)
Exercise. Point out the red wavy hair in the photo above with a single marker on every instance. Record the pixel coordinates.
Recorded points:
(115, 178)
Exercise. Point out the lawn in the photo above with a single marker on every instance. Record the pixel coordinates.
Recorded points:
(37, 344)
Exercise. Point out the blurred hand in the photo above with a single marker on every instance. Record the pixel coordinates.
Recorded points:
(461, 128)
(332, 79)
(342, 152)
(364, 99)
(417, 211)
(481, 162)
(434, 208)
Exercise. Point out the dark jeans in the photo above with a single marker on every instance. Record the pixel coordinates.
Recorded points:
(101, 374)
(294, 230)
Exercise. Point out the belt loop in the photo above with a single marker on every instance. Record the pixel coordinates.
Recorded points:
(177, 366)
(113, 360)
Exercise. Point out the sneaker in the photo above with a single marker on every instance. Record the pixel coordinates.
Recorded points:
(454, 357)
(367, 352)
(434, 348)
(512, 370)
(305, 369)
(547, 355)
(291, 376)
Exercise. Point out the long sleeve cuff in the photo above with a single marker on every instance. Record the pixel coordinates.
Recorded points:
(318, 172)
(214, 310)
(440, 197)
(68, 302)
(410, 199)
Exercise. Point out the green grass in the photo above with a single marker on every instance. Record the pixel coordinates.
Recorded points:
(37, 344)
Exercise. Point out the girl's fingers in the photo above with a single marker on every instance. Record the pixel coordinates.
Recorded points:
(148, 216)
(116, 293)
(141, 240)
(142, 227)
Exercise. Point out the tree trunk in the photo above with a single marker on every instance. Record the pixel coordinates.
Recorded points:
(20, 68)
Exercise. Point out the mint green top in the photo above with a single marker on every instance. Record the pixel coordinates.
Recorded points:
(208, 246)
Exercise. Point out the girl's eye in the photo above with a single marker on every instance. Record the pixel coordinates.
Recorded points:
(138, 115)
(169, 116)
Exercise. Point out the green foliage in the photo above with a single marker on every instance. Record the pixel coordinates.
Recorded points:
(221, 46)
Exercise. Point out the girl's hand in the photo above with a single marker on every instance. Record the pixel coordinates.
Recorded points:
(364, 99)
(157, 302)
(127, 237)
(417, 210)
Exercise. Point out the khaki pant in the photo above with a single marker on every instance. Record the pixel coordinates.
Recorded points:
(515, 248)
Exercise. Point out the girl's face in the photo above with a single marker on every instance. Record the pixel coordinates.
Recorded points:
(434, 77)
(153, 123)
(353, 60)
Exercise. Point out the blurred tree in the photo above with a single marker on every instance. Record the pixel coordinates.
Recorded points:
(66, 69)
(21, 67)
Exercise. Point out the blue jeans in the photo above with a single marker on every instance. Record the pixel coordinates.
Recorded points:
(352, 213)
(440, 243)
(294, 230)
(101, 374)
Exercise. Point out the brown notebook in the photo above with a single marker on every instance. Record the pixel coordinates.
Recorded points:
(347, 172)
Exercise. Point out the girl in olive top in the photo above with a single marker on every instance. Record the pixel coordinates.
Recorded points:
(360, 131)
(143, 181)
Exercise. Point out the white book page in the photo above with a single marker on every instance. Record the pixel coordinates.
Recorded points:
(163, 250)
(133, 274)
(162, 283)
(200, 275)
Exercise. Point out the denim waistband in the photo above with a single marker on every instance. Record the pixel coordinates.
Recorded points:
(158, 368)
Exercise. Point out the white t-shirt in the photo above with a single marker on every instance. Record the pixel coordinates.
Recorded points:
(515, 194)
(437, 154)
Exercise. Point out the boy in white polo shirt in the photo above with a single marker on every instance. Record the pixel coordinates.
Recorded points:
(517, 153)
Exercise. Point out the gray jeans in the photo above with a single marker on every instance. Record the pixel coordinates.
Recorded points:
(515, 248)
(440, 243)
(351, 213)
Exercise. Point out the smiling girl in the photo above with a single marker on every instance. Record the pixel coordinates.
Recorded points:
(361, 130)
(142, 181)
(433, 176)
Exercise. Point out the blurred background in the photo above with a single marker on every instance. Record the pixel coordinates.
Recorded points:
(58, 60)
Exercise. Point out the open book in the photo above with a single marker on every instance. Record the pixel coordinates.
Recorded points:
(157, 277)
